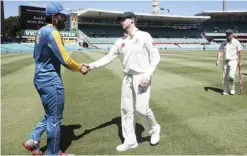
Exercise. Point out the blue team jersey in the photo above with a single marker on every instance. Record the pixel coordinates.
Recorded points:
(49, 54)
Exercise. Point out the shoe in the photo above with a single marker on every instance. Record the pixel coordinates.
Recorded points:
(65, 154)
(224, 93)
(124, 147)
(155, 136)
(33, 147)
(232, 92)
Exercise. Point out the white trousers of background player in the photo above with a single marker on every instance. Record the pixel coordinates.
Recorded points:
(229, 71)
(135, 101)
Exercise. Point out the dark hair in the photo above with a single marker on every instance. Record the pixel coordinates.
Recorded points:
(135, 21)
(48, 19)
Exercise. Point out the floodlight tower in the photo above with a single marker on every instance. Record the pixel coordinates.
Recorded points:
(155, 7)
(224, 5)
(2, 19)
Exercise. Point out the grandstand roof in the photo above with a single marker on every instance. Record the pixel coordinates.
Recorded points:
(112, 15)
(223, 13)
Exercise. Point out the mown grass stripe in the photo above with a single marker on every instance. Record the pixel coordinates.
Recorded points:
(196, 75)
(16, 65)
(9, 55)
(180, 69)
(13, 59)
(187, 58)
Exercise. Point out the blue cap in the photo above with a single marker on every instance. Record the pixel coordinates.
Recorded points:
(54, 8)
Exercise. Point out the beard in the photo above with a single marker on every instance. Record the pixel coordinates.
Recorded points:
(60, 25)
(229, 39)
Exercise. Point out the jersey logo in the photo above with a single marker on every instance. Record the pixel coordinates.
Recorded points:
(137, 41)
(154, 44)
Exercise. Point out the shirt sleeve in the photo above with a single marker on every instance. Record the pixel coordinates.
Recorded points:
(239, 46)
(154, 55)
(56, 44)
(114, 52)
(222, 46)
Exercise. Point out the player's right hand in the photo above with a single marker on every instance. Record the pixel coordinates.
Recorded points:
(84, 68)
(217, 63)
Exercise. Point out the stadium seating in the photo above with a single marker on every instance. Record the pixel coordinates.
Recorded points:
(221, 27)
(105, 34)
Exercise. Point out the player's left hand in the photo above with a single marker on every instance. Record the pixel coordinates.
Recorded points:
(144, 82)
(217, 62)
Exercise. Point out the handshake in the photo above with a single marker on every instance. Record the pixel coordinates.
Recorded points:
(84, 68)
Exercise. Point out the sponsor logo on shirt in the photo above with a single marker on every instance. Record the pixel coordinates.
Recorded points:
(137, 41)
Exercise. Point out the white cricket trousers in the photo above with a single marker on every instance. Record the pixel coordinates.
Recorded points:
(135, 102)
(229, 68)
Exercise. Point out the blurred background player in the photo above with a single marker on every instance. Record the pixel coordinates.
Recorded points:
(49, 54)
(232, 57)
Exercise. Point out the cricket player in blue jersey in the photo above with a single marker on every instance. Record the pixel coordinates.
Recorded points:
(49, 54)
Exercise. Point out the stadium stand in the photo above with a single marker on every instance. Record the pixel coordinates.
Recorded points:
(214, 28)
(100, 28)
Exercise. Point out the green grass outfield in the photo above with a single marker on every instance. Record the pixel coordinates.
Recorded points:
(185, 98)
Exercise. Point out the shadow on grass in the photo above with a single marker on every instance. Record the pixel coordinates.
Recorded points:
(67, 133)
(67, 136)
(117, 121)
(218, 90)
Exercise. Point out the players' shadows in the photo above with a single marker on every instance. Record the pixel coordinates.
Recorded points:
(218, 90)
(67, 133)
(117, 121)
(67, 136)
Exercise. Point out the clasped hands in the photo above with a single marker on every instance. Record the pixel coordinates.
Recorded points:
(84, 68)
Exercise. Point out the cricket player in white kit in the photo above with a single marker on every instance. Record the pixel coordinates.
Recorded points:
(232, 57)
(140, 57)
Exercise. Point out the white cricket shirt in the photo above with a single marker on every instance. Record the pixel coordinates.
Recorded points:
(138, 52)
(230, 49)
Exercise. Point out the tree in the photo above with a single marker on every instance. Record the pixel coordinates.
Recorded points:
(12, 26)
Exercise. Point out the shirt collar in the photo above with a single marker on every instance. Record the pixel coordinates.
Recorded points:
(231, 40)
(132, 33)
(50, 25)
